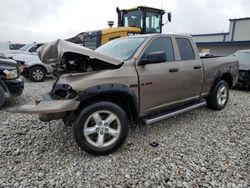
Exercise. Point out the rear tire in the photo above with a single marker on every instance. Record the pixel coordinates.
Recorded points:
(37, 74)
(219, 96)
(101, 128)
(2, 96)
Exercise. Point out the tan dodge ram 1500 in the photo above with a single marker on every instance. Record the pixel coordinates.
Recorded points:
(144, 78)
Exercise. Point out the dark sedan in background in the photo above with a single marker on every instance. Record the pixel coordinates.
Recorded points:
(11, 85)
(244, 68)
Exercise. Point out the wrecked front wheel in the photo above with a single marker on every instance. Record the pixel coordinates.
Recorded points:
(101, 128)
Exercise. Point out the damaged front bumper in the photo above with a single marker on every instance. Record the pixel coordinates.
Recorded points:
(49, 109)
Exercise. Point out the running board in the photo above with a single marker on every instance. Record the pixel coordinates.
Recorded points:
(168, 115)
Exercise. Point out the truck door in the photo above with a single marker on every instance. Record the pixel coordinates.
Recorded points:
(191, 70)
(159, 82)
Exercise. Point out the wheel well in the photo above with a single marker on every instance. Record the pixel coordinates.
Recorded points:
(121, 100)
(38, 66)
(227, 78)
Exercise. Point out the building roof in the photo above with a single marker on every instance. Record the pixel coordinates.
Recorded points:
(238, 19)
(209, 34)
(225, 43)
(236, 35)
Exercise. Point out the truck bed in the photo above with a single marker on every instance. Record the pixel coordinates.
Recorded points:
(214, 66)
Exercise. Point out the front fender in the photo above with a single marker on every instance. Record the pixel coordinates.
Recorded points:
(117, 90)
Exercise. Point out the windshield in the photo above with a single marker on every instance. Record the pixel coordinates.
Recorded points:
(26, 47)
(123, 48)
(133, 19)
(243, 57)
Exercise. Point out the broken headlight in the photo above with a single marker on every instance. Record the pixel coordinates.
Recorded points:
(10, 74)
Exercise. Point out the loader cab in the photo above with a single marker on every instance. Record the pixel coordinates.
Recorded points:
(148, 19)
(135, 21)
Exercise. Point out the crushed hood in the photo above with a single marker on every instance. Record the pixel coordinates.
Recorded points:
(53, 52)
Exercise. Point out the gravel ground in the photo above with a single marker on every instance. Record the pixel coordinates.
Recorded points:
(200, 148)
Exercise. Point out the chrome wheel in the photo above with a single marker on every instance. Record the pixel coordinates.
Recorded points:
(37, 74)
(222, 95)
(102, 128)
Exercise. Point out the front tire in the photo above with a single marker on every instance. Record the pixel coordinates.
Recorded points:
(37, 74)
(2, 96)
(101, 128)
(219, 96)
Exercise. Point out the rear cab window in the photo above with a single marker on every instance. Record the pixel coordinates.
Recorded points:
(161, 44)
(185, 48)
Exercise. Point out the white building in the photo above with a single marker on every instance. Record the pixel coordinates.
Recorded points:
(224, 44)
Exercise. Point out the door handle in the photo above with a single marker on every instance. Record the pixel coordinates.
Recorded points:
(173, 70)
(197, 67)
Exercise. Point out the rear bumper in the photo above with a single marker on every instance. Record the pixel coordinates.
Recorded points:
(14, 87)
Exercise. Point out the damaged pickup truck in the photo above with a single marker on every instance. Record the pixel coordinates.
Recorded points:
(144, 78)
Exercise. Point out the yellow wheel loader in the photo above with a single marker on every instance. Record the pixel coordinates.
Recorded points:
(134, 21)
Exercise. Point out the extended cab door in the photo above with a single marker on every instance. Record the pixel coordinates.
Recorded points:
(191, 69)
(159, 82)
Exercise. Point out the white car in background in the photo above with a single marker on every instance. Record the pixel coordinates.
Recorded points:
(32, 67)
(27, 49)
(4, 46)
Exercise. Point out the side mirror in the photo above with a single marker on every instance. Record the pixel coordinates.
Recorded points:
(169, 17)
(154, 57)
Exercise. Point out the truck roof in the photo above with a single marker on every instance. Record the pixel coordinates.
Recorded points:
(158, 34)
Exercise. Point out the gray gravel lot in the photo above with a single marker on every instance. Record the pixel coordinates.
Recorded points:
(201, 148)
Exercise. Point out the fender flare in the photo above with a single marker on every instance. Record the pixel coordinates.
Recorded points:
(218, 77)
(117, 89)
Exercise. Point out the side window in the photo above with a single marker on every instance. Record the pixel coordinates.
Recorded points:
(153, 22)
(186, 49)
(161, 44)
(33, 49)
(39, 45)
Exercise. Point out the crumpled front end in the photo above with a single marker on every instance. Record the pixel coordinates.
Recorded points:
(49, 108)
(54, 52)
(54, 105)
(75, 63)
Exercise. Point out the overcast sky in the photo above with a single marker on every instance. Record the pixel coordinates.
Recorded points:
(46, 20)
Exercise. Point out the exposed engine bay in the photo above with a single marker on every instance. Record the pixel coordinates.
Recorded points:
(77, 63)
(67, 57)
